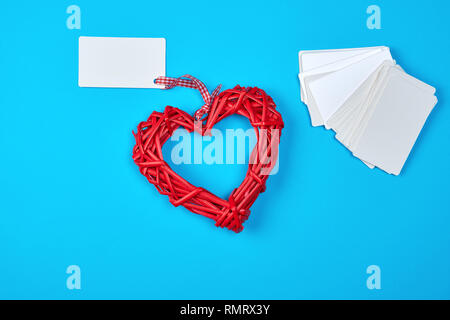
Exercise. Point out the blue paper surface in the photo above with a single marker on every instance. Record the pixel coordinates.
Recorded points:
(70, 193)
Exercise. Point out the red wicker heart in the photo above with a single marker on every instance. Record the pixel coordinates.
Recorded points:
(252, 103)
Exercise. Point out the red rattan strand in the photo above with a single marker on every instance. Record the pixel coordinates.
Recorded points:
(252, 103)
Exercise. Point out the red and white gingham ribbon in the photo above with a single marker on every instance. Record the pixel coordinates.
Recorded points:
(193, 83)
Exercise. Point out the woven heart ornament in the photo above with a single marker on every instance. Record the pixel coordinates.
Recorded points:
(151, 135)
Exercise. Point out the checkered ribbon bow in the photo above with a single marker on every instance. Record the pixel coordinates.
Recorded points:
(194, 83)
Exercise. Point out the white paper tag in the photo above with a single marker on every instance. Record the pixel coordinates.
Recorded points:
(121, 62)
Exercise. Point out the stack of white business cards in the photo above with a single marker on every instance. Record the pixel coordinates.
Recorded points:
(376, 109)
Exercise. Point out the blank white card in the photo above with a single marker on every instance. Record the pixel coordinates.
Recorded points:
(121, 62)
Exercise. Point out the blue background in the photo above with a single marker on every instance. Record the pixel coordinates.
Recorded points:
(71, 194)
